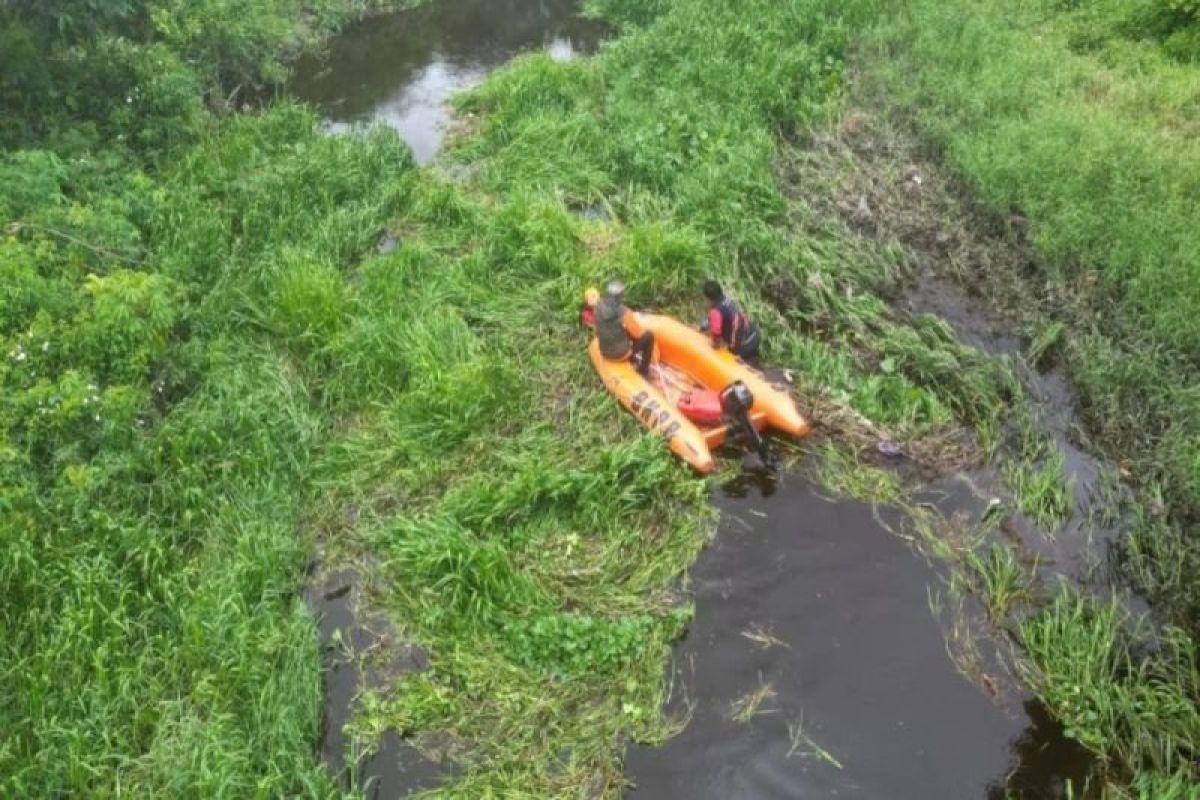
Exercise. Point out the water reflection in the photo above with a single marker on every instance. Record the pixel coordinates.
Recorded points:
(1044, 761)
(401, 68)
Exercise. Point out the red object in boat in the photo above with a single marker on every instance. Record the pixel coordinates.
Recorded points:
(701, 405)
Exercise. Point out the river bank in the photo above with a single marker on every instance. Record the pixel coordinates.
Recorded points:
(213, 364)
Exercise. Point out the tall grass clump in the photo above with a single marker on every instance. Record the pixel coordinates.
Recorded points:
(1004, 580)
(1138, 711)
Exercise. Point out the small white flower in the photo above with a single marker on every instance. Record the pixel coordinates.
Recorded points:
(97, 418)
(128, 99)
(20, 355)
(45, 346)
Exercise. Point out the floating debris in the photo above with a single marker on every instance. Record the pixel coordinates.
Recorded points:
(889, 448)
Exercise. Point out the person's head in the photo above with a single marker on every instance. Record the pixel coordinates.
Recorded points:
(712, 290)
(615, 289)
(591, 297)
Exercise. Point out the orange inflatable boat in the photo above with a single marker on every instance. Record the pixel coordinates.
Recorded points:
(679, 398)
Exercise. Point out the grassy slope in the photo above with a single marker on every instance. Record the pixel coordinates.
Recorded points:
(1079, 117)
(1092, 136)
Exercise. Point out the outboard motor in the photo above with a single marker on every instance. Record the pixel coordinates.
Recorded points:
(736, 402)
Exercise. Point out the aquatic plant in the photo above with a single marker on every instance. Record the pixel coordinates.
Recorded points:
(1005, 581)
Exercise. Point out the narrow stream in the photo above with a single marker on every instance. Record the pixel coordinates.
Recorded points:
(815, 666)
(1080, 548)
(400, 69)
(821, 604)
(395, 768)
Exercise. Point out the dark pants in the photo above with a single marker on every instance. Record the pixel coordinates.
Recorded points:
(748, 348)
(643, 352)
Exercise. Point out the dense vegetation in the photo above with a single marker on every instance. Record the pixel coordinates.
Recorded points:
(1082, 117)
(206, 365)
(154, 442)
(1096, 144)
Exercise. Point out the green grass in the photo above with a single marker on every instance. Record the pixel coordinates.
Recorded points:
(206, 366)
(1043, 489)
(1139, 711)
(1004, 581)
(1075, 115)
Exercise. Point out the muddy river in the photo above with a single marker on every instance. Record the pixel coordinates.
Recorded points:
(815, 666)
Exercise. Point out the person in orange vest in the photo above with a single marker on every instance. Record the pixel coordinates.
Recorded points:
(727, 325)
(617, 330)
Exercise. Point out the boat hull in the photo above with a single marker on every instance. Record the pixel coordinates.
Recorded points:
(689, 354)
(648, 403)
(691, 351)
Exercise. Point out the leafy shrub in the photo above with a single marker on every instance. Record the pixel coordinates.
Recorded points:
(574, 645)
(26, 292)
(140, 95)
(60, 415)
(24, 77)
(235, 43)
(126, 326)
(29, 179)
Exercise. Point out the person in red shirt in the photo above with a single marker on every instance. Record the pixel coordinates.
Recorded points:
(727, 325)
(587, 311)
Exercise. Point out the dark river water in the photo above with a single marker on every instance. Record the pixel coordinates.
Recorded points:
(858, 665)
(400, 69)
(812, 605)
